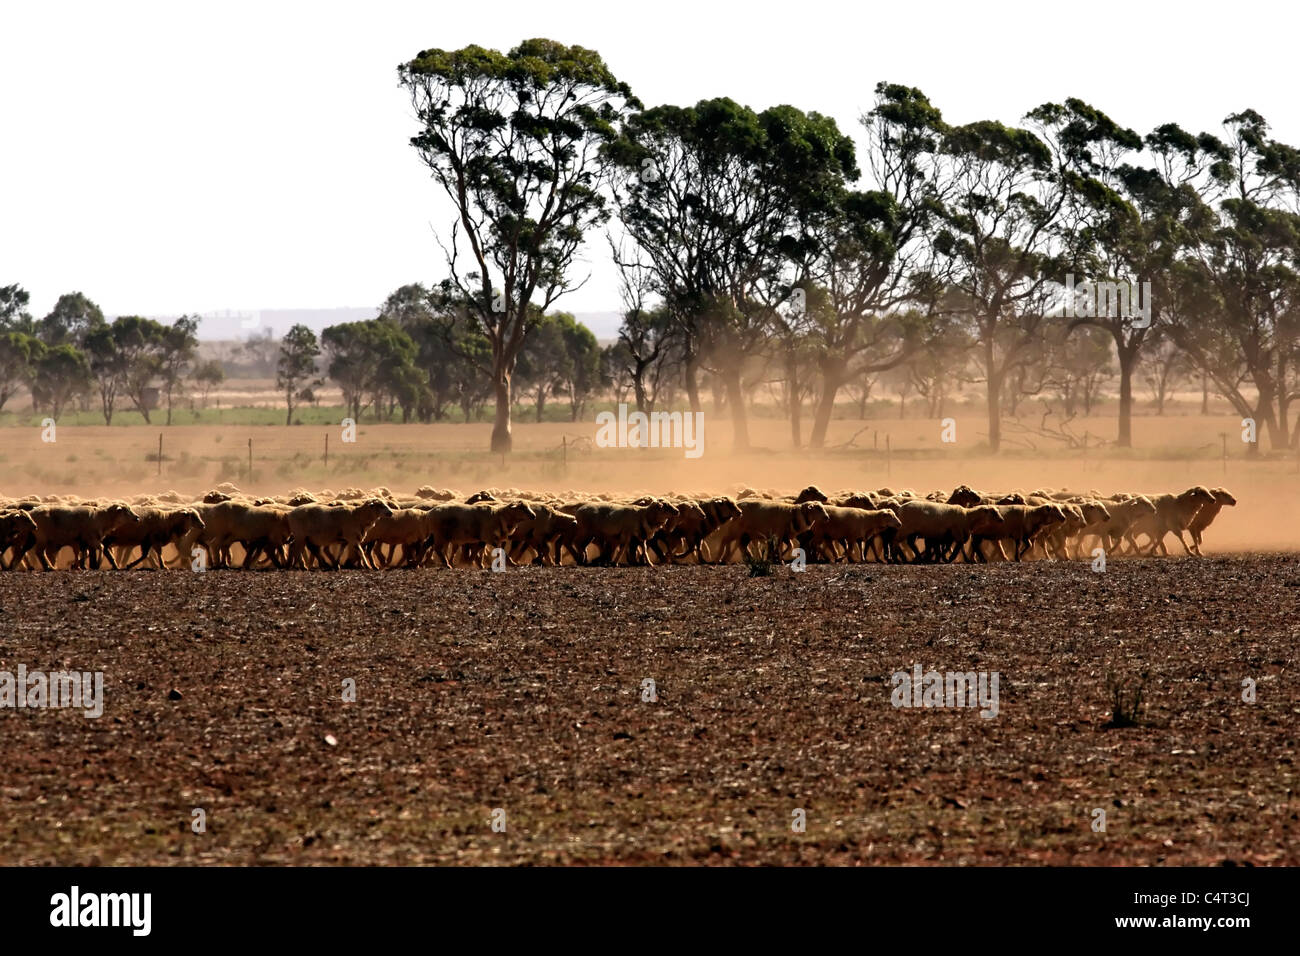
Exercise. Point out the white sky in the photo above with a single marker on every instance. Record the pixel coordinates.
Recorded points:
(167, 158)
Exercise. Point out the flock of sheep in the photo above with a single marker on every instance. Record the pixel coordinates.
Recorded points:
(377, 529)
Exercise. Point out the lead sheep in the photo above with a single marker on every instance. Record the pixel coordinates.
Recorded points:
(1207, 514)
(1173, 513)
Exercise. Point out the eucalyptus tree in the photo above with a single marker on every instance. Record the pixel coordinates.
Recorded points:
(18, 352)
(997, 246)
(871, 253)
(542, 362)
(1240, 319)
(1141, 217)
(59, 375)
(717, 198)
(178, 347)
(14, 316)
(513, 141)
(452, 352)
(125, 358)
(581, 369)
(370, 361)
(295, 369)
(1011, 229)
(70, 321)
(648, 336)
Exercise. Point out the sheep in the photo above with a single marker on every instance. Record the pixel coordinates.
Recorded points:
(766, 521)
(618, 530)
(849, 527)
(17, 531)
(1207, 514)
(1111, 531)
(1172, 513)
(692, 529)
(543, 534)
(1019, 524)
(316, 527)
(257, 529)
(80, 527)
(467, 531)
(944, 527)
(156, 529)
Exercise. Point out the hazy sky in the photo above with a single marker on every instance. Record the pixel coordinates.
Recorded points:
(166, 158)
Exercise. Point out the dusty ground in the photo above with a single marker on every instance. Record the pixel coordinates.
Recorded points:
(1171, 454)
(523, 691)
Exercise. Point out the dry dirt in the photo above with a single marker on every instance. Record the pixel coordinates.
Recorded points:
(523, 691)
(1170, 455)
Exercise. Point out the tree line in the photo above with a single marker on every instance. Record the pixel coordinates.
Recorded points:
(423, 355)
(420, 356)
(760, 247)
(74, 355)
(763, 251)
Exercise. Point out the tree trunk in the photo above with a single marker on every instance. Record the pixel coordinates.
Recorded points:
(502, 440)
(1127, 359)
(1205, 393)
(691, 380)
(832, 380)
(736, 398)
(638, 386)
(792, 387)
(1283, 405)
(995, 410)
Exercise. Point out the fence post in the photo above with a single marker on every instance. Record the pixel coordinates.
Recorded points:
(250, 461)
(889, 458)
(160, 453)
(327, 450)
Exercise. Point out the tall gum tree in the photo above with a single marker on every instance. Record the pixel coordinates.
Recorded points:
(996, 244)
(716, 198)
(867, 251)
(1240, 319)
(1133, 221)
(513, 142)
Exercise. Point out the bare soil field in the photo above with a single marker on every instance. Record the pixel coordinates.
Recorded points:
(523, 691)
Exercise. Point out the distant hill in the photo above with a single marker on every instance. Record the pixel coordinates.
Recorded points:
(604, 324)
(232, 324)
(237, 325)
